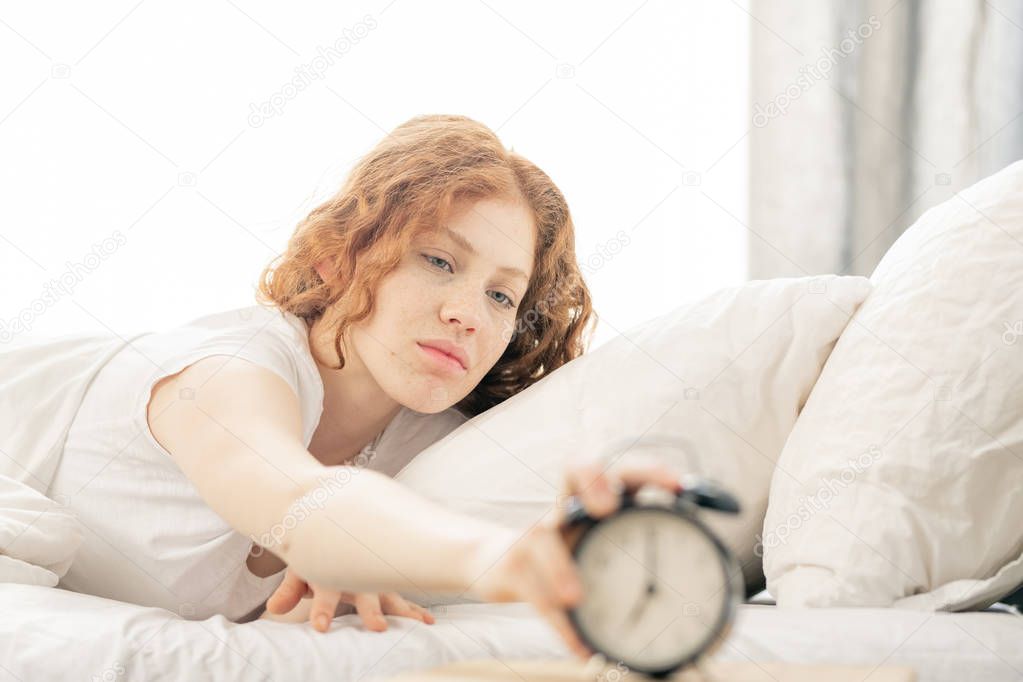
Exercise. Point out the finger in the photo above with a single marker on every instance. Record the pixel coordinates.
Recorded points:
(599, 486)
(427, 617)
(321, 613)
(394, 604)
(556, 569)
(588, 480)
(547, 572)
(537, 595)
(287, 595)
(368, 606)
(559, 619)
(346, 606)
(636, 472)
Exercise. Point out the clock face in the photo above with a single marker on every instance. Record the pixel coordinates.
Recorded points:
(657, 589)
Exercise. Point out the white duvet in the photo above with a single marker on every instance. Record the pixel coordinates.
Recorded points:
(38, 537)
(52, 634)
(41, 387)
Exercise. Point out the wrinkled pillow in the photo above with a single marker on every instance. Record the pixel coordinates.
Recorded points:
(713, 388)
(902, 482)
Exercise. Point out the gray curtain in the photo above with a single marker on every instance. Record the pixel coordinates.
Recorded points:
(865, 114)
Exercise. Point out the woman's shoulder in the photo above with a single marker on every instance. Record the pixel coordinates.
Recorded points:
(247, 328)
(267, 337)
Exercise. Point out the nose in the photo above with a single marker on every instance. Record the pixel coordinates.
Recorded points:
(459, 310)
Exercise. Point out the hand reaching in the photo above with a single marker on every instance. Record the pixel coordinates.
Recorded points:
(537, 566)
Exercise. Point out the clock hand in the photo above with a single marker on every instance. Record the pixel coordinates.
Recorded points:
(651, 581)
(651, 559)
(638, 608)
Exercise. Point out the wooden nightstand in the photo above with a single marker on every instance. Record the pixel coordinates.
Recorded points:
(493, 670)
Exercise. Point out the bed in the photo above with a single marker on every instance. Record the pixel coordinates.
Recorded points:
(774, 336)
(52, 634)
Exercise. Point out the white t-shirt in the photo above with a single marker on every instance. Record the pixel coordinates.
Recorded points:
(150, 538)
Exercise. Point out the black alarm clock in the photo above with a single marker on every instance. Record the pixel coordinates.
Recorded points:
(660, 590)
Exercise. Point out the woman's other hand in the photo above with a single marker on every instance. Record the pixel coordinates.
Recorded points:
(326, 603)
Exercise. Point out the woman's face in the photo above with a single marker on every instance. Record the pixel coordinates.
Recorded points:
(461, 284)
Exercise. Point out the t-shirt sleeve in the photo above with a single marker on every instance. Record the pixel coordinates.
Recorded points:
(263, 338)
(266, 347)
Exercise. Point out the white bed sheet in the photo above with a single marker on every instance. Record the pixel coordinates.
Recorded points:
(982, 646)
(52, 634)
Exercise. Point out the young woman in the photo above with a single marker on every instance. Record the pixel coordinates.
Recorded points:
(439, 281)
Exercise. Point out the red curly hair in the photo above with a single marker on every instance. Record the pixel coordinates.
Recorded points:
(411, 181)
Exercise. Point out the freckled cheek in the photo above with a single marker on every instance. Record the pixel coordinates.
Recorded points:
(408, 298)
(424, 293)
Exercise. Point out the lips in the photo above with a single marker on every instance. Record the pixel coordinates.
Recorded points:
(440, 349)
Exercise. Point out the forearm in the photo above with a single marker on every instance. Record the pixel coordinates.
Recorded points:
(357, 530)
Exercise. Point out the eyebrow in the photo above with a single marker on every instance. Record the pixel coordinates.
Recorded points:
(466, 245)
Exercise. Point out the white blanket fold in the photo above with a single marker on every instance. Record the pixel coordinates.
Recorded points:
(42, 385)
(38, 537)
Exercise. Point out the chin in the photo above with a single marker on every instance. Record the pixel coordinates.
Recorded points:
(428, 407)
(429, 399)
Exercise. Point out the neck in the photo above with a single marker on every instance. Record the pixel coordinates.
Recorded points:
(355, 408)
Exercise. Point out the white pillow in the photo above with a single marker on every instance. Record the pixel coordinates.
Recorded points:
(902, 481)
(713, 387)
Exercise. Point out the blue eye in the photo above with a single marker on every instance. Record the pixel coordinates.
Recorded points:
(508, 303)
(433, 260)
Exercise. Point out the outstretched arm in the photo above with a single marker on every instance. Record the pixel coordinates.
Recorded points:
(239, 440)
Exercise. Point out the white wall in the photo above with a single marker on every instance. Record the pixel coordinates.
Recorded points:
(133, 123)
